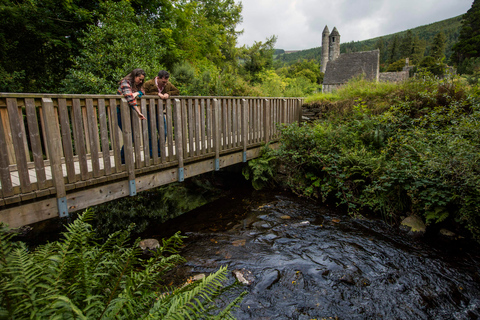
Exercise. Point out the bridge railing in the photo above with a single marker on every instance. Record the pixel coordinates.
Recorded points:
(52, 144)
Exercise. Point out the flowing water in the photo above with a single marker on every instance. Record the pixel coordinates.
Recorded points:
(306, 261)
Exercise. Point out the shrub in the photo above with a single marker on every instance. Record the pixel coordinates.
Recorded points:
(413, 148)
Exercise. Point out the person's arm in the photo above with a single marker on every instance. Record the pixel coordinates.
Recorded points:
(126, 90)
(171, 90)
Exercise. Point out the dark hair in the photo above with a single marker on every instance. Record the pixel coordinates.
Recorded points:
(131, 78)
(163, 74)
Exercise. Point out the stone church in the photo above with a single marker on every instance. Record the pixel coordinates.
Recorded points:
(340, 68)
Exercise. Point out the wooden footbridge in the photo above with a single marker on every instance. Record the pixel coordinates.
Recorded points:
(62, 153)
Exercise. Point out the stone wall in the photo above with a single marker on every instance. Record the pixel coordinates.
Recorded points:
(393, 76)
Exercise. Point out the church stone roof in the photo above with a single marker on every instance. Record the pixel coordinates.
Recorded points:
(350, 65)
(334, 32)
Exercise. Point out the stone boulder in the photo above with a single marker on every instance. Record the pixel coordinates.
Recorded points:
(413, 225)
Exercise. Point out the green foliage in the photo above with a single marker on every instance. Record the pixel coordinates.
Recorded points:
(38, 40)
(76, 278)
(261, 171)
(120, 43)
(159, 205)
(396, 66)
(415, 148)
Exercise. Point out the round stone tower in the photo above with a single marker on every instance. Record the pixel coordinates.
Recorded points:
(334, 45)
(325, 45)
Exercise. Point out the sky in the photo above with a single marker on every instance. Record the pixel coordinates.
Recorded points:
(298, 24)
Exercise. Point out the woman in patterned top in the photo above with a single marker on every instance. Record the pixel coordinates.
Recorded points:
(131, 87)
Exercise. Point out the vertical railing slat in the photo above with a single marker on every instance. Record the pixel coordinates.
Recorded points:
(216, 131)
(209, 107)
(5, 178)
(17, 139)
(197, 127)
(161, 129)
(35, 142)
(224, 127)
(79, 139)
(102, 118)
(184, 126)
(126, 113)
(137, 137)
(203, 126)
(191, 129)
(93, 135)
(54, 146)
(153, 123)
(178, 110)
(66, 139)
(168, 109)
(115, 134)
(145, 135)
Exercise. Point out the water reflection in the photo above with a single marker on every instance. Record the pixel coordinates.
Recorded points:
(311, 262)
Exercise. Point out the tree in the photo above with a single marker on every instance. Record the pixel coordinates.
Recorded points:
(418, 50)
(121, 42)
(437, 50)
(468, 44)
(406, 45)
(393, 50)
(258, 58)
(38, 39)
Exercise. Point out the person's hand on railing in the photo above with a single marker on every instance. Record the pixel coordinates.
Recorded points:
(163, 96)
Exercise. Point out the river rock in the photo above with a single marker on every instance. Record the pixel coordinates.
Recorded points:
(243, 276)
(413, 225)
(269, 278)
(148, 245)
(447, 233)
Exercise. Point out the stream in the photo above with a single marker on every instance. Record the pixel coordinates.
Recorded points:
(303, 260)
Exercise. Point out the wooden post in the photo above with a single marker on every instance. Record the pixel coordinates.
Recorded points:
(127, 145)
(266, 120)
(244, 110)
(7, 189)
(55, 149)
(203, 125)
(299, 110)
(216, 133)
(179, 138)
(17, 138)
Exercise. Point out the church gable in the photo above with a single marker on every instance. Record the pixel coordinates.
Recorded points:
(351, 65)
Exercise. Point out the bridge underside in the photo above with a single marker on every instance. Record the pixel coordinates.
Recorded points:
(28, 213)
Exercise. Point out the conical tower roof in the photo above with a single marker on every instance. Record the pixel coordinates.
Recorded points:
(334, 32)
(326, 30)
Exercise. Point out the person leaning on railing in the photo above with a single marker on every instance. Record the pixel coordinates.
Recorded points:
(131, 87)
(161, 86)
